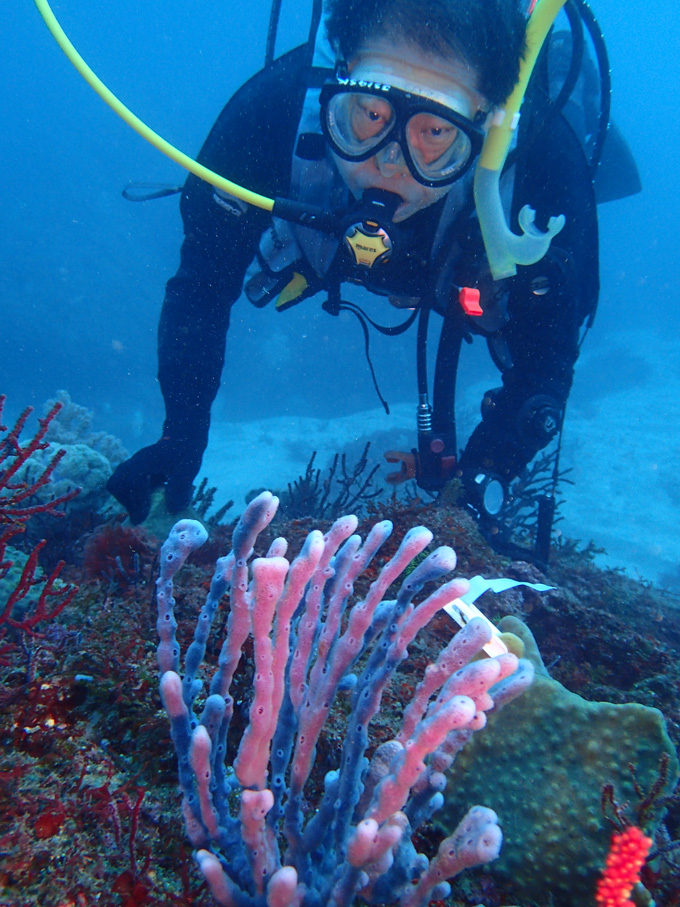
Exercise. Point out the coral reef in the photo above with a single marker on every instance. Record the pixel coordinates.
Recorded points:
(555, 752)
(26, 600)
(79, 467)
(86, 458)
(83, 735)
(73, 425)
(340, 489)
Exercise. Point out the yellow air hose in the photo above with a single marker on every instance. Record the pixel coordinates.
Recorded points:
(252, 198)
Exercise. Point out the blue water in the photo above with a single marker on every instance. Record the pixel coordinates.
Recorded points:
(83, 270)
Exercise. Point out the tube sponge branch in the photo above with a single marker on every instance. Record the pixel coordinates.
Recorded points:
(256, 841)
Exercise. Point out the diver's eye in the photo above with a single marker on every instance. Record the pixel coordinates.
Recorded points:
(430, 136)
(370, 116)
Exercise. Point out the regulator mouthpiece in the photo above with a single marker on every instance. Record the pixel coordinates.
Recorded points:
(367, 236)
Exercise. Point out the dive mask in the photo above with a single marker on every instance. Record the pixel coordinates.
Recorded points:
(360, 118)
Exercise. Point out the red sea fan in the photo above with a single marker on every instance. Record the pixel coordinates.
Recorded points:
(115, 552)
(17, 506)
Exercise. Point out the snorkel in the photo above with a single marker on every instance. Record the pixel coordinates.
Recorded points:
(505, 249)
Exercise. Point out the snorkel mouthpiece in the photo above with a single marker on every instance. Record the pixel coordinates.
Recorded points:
(505, 249)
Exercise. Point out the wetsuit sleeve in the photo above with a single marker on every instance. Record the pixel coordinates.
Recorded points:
(251, 144)
(547, 305)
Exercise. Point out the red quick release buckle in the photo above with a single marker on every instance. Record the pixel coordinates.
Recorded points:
(468, 297)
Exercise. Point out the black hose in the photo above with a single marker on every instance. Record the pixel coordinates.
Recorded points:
(421, 351)
(445, 373)
(577, 51)
(317, 10)
(602, 57)
(272, 31)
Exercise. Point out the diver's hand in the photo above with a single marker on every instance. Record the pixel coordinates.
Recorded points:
(408, 466)
(431, 470)
(169, 462)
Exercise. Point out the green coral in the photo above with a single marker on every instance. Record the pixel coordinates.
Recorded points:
(541, 764)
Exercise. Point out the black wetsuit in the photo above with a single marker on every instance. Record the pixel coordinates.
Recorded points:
(252, 143)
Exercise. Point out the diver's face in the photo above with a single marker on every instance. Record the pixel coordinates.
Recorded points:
(447, 81)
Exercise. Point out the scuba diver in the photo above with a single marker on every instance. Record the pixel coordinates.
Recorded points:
(379, 120)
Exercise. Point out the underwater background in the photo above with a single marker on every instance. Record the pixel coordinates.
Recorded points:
(89, 804)
(84, 270)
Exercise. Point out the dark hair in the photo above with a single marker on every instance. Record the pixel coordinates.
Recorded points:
(487, 34)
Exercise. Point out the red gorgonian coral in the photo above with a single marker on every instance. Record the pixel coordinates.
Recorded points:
(18, 504)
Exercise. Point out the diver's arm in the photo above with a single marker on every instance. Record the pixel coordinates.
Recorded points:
(522, 416)
(251, 143)
(191, 347)
(193, 325)
(548, 303)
